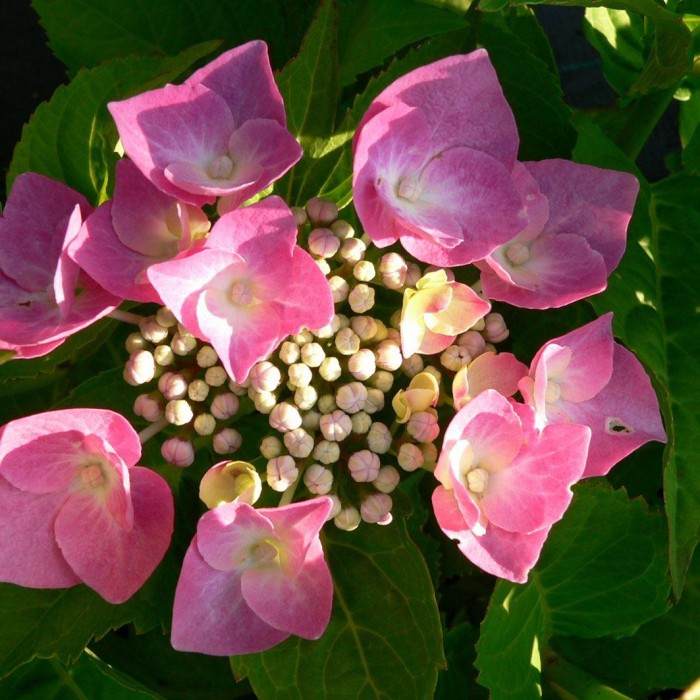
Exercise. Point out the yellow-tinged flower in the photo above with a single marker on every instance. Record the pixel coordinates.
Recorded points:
(230, 482)
(422, 392)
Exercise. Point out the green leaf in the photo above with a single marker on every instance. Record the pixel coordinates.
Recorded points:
(106, 390)
(663, 653)
(89, 33)
(458, 681)
(373, 30)
(691, 154)
(384, 637)
(568, 681)
(617, 36)
(602, 572)
(669, 56)
(309, 83)
(71, 138)
(87, 678)
(544, 120)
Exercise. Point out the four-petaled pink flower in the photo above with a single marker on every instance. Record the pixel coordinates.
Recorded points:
(504, 484)
(576, 235)
(220, 134)
(433, 157)
(74, 508)
(247, 287)
(44, 297)
(139, 227)
(253, 577)
(586, 377)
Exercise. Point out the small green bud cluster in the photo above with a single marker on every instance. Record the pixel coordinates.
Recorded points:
(191, 392)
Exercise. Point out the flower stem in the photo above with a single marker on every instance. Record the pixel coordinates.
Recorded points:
(125, 316)
(151, 430)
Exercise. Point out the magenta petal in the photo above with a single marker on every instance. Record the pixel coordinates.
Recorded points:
(301, 604)
(112, 561)
(210, 615)
(29, 555)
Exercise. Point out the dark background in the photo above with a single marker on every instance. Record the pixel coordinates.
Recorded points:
(29, 74)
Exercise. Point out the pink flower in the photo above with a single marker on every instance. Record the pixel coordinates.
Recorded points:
(504, 484)
(139, 227)
(585, 377)
(44, 297)
(251, 578)
(575, 239)
(74, 509)
(433, 156)
(247, 287)
(221, 133)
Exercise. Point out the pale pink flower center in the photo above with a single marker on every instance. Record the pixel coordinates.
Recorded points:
(477, 480)
(263, 553)
(242, 293)
(220, 168)
(553, 392)
(92, 476)
(409, 188)
(518, 253)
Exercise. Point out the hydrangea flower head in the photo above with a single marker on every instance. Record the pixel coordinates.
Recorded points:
(504, 484)
(253, 577)
(247, 287)
(74, 508)
(433, 157)
(44, 296)
(220, 134)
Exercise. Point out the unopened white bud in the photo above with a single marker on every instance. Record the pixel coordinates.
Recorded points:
(264, 376)
(374, 401)
(339, 321)
(198, 390)
(342, 229)
(282, 472)
(413, 274)
(363, 466)
(362, 364)
(330, 369)
(311, 420)
(347, 342)
(323, 266)
(364, 326)
(335, 426)
(178, 412)
(298, 443)
(163, 355)
(488, 347)
(339, 288)
(183, 344)
(364, 271)
(429, 455)
(318, 479)
(136, 342)
(312, 354)
(299, 374)
(224, 406)
(178, 452)
(303, 337)
(423, 426)
(215, 376)
(207, 357)
(323, 242)
(305, 397)
(379, 438)
(264, 401)
(271, 447)
(289, 352)
(324, 332)
(352, 250)
(382, 380)
(227, 441)
(335, 508)
(388, 354)
(284, 417)
(148, 407)
(393, 268)
(172, 385)
(204, 424)
(382, 332)
(387, 480)
(479, 326)
(361, 423)
(472, 342)
(495, 329)
(140, 368)
(361, 298)
(375, 507)
(394, 334)
(410, 457)
(454, 358)
(321, 211)
(239, 389)
(434, 371)
(351, 397)
(412, 365)
(165, 317)
(327, 452)
(326, 403)
(300, 217)
(151, 330)
(348, 519)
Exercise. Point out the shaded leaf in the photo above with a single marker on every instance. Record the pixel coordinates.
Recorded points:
(458, 680)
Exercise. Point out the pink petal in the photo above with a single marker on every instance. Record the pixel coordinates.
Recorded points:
(534, 202)
(501, 372)
(112, 561)
(29, 555)
(210, 615)
(448, 513)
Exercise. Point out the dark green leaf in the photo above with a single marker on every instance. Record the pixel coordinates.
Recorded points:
(71, 138)
(602, 572)
(458, 681)
(691, 154)
(568, 681)
(384, 638)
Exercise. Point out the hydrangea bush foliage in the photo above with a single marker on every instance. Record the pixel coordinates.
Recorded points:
(341, 358)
